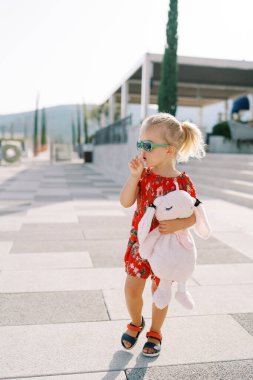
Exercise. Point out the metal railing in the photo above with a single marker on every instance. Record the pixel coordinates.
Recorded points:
(115, 133)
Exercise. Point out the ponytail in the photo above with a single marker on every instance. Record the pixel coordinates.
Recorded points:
(193, 144)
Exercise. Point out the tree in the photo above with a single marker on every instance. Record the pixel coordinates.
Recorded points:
(85, 125)
(43, 130)
(79, 137)
(35, 128)
(167, 95)
(73, 127)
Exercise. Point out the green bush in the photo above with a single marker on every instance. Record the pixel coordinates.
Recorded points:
(222, 129)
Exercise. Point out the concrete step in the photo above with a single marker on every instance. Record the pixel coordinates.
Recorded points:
(214, 164)
(241, 198)
(227, 157)
(219, 172)
(224, 183)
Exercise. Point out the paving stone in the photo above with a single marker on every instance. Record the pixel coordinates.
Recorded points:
(231, 370)
(48, 235)
(45, 260)
(53, 181)
(107, 253)
(52, 192)
(17, 189)
(79, 184)
(47, 218)
(52, 307)
(5, 246)
(8, 235)
(10, 226)
(222, 255)
(106, 222)
(210, 243)
(61, 348)
(102, 212)
(61, 279)
(88, 196)
(85, 191)
(49, 246)
(113, 206)
(50, 209)
(245, 320)
(238, 240)
(97, 204)
(108, 185)
(112, 375)
(54, 185)
(47, 227)
(18, 196)
(105, 233)
(209, 300)
(51, 198)
(107, 259)
(224, 274)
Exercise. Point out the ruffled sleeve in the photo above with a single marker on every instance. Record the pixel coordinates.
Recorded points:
(188, 185)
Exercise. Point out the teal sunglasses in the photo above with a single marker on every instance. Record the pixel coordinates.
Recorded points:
(148, 145)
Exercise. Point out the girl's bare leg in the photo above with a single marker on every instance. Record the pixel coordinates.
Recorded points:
(158, 317)
(134, 287)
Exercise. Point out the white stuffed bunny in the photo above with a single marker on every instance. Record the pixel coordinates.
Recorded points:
(172, 256)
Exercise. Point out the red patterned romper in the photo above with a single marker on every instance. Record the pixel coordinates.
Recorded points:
(151, 186)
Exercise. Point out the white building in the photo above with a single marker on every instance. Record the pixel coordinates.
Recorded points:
(206, 89)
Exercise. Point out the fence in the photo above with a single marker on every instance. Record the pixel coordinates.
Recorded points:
(115, 133)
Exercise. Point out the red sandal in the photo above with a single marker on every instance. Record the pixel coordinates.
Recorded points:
(154, 346)
(131, 339)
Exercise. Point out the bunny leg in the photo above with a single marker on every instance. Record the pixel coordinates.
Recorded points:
(183, 296)
(162, 295)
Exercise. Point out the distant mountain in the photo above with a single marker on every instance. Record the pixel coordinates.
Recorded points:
(58, 122)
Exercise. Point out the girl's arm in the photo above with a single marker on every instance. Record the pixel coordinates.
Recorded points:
(171, 226)
(129, 192)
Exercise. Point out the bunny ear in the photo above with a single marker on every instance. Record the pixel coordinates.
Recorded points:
(145, 224)
(176, 184)
(201, 227)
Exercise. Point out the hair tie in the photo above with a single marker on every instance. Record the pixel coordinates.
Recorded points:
(183, 126)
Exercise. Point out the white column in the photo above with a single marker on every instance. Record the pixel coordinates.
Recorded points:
(111, 108)
(251, 106)
(124, 100)
(145, 86)
(103, 119)
(200, 124)
(226, 109)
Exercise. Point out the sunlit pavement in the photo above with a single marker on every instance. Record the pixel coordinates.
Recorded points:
(63, 234)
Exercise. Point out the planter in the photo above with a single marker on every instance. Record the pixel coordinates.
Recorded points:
(88, 152)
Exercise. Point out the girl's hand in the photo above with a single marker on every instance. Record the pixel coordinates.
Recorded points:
(136, 167)
(168, 226)
(171, 226)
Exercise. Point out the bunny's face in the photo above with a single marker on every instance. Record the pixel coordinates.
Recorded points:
(176, 204)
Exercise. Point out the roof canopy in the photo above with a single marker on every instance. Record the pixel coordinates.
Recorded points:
(201, 81)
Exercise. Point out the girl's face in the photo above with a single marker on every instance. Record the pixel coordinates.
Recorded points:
(158, 155)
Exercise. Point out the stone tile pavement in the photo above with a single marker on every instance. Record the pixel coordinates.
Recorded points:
(63, 234)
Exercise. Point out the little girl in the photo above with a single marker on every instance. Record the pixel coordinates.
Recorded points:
(163, 140)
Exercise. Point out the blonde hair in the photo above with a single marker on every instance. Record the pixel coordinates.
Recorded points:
(186, 137)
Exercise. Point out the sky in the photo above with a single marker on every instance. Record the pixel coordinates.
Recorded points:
(74, 51)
